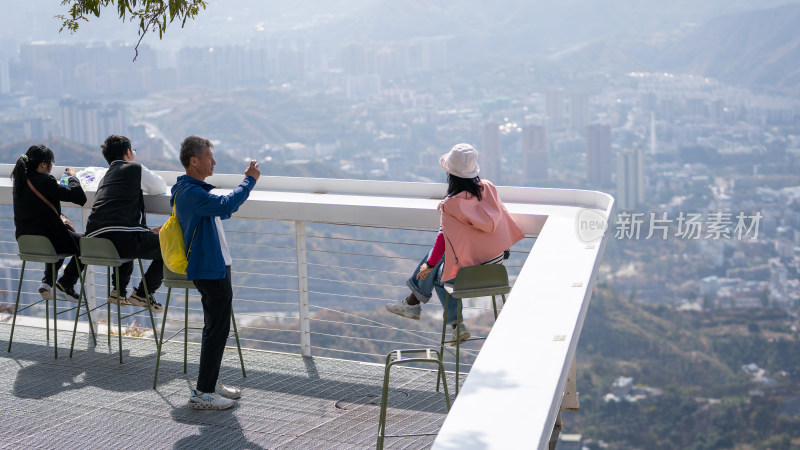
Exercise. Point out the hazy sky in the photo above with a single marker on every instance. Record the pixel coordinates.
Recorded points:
(222, 20)
(232, 21)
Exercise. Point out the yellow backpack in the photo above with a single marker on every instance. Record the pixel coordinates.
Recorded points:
(173, 249)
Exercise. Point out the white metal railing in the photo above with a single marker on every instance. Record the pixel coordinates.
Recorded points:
(268, 314)
(313, 229)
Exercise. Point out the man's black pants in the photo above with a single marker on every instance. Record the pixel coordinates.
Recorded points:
(217, 298)
(143, 245)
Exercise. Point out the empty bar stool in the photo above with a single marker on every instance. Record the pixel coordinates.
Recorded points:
(36, 248)
(174, 280)
(101, 252)
(400, 357)
(473, 281)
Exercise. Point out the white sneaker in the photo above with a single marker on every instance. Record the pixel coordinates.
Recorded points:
(46, 291)
(227, 391)
(207, 400)
(402, 308)
(464, 335)
(67, 294)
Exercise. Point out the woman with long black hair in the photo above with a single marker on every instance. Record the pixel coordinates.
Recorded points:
(37, 210)
(475, 229)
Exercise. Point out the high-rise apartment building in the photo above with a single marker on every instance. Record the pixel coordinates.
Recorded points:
(491, 154)
(427, 54)
(436, 54)
(716, 110)
(653, 144)
(362, 86)
(666, 110)
(36, 128)
(649, 101)
(579, 111)
(90, 123)
(554, 108)
(390, 62)
(111, 120)
(291, 64)
(68, 117)
(354, 60)
(630, 178)
(534, 152)
(695, 108)
(598, 155)
(5, 78)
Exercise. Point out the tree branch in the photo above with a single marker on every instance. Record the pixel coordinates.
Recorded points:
(152, 14)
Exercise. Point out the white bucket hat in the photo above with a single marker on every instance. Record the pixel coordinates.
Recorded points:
(461, 161)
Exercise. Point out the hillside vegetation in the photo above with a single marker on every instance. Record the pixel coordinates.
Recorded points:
(695, 358)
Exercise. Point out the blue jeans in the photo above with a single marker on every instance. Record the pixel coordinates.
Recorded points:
(423, 289)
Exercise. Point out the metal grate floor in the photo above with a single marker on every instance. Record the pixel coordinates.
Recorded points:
(91, 401)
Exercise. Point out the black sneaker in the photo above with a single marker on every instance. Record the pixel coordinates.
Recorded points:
(67, 294)
(138, 299)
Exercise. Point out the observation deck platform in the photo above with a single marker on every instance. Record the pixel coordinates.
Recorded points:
(288, 401)
(314, 261)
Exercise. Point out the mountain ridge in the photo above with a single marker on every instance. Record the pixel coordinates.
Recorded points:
(759, 48)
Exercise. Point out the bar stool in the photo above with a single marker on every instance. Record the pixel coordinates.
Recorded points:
(36, 248)
(400, 357)
(101, 252)
(174, 280)
(470, 282)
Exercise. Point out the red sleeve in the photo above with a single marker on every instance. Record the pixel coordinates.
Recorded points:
(438, 250)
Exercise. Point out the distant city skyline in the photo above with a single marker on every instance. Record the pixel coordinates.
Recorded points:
(687, 113)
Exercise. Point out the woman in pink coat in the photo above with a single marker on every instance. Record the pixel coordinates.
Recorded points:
(475, 229)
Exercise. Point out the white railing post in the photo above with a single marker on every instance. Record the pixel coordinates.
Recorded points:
(302, 287)
(89, 280)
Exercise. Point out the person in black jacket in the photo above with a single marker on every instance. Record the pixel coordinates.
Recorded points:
(33, 216)
(118, 215)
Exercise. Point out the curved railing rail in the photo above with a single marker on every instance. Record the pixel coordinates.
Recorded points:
(316, 259)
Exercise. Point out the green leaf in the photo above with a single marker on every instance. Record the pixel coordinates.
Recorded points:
(152, 14)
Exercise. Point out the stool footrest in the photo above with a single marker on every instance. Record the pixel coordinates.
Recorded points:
(67, 310)
(409, 435)
(173, 335)
(83, 314)
(397, 355)
(133, 313)
(193, 328)
(481, 292)
(32, 304)
(97, 307)
(178, 284)
(467, 340)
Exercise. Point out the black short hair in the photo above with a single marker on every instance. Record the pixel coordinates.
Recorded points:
(193, 146)
(115, 147)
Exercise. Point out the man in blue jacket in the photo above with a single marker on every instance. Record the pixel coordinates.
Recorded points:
(200, 214)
